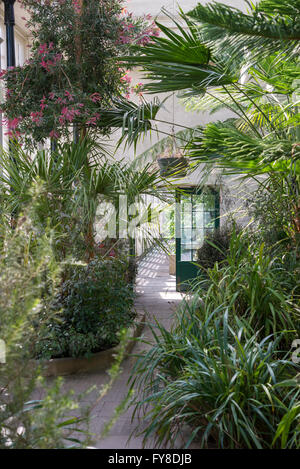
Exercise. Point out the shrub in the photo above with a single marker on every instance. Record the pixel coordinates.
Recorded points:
(215, 247)
(28, 273)
(253, 285)
(230, 387)
(93, 305)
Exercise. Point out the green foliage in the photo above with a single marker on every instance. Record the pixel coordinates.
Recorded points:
(93, 305)
(73, 181)
(255, 285)
(273, 210)
(134, 120)
(72, 74)
(220, 369)
(29, 275)
(240, 152)
(232, 388)
(178, 62)
(215, 247)
(266, 27)
(289, 439)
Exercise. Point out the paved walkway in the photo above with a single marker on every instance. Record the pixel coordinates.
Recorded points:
(157, 296)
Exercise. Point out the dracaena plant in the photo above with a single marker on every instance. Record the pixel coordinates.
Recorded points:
(72, 73)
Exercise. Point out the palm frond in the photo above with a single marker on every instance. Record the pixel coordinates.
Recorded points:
(226, 146)
(269, 27)
(178, 62)
(134, 120)
(182, 138)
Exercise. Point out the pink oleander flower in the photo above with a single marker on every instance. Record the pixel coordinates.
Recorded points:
(69, 96)
(126, 78)
(93, 120)
(12, 124)
(68, 115)
(43, 105)
(42, 49)
(36, 117)
(96, 97)
(54, 134)
(77, 6)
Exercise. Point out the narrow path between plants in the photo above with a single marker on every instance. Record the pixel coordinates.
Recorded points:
(157, 296)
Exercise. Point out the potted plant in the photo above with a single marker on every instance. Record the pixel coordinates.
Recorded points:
(173, 164)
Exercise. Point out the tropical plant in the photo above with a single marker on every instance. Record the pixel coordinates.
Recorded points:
(262, 136)
(212, 370)
(215, 247)
(75, 179)
(256, 286)
(29, 276)
(70, 77)
(267, 26)
(230, 387)
(93, 305)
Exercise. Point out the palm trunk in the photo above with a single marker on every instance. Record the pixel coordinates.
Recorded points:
(80, 134)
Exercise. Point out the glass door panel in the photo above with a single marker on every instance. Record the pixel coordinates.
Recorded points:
(197, 215)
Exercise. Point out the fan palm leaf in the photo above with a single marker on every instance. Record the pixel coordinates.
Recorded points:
(178, 62)
(270, 26)
(135, 120)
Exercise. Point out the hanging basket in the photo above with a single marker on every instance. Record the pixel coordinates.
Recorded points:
(173, 166)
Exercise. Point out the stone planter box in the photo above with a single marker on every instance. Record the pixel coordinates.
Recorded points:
(100, 361)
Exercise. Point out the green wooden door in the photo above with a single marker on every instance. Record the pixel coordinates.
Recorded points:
(197, 214)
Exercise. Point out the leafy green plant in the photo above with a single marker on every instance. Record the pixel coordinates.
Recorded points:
(254, 285)
(29, 275)
(224, 382)
(290, 420)
(215, 247)
(72, 74)
(260, 88)
(94, 303)
(74, 181)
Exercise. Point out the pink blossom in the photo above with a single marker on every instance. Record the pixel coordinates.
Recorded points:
(68, 115)
(95, 97)
(93, 119)
(54, 134)
(77, 6)
(12, 125)
(36, 117)
(69, 96)
(43, 105)
(42, 49)
(126, 78)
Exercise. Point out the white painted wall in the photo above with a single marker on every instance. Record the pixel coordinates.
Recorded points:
(140, 7)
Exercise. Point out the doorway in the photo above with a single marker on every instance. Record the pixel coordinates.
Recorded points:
(197, 215)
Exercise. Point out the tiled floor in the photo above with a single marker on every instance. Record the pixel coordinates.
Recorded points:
(157, 296)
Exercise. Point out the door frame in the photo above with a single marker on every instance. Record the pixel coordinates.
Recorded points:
(187, 270)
